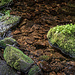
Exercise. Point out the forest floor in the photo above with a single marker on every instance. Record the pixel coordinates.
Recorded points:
(31, 34)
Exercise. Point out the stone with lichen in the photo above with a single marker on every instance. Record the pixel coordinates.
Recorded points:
(35, 70)
(63, 38)
(7, 22)
(8, 41)
(17, 59)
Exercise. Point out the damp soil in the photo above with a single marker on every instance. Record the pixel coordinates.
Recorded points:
(31, 34)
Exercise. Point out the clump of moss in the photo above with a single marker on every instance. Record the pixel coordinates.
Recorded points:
(7, 41)
(3, 2)
(44, 57)
(64, 37)
(9, 19)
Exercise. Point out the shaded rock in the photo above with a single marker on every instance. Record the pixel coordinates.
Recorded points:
(35, 70)
(5, 69)
(63, 38)
(7, 22)
(8, 41)
(17, 59)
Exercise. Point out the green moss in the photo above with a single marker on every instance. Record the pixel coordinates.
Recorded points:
(34, 70)
(16, 64)
(9, 19)
(44, 57)
(7, 22)
(64, 37)
(3, 2)
(7, 40)
(17, 59)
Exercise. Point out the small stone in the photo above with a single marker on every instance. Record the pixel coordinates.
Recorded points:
(8, 41)
(35, 70)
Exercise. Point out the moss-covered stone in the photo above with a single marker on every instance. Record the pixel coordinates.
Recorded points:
(44, 57)
(7, 22)
(17, 59)
(5, 69)
(3, 2)
(64, 37)
(7, 41)
(35, 70)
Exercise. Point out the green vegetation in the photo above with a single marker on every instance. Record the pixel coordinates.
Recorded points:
(2, 2)
(34, 70)
(17, 59)
(44, 57)
(7, 41)
(64, 37)
(10, 19)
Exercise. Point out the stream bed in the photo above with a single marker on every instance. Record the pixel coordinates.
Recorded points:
(31, 35)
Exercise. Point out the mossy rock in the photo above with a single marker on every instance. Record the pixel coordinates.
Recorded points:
(35, 70)
(17, 59)
(3, 3)
(63, 38)
(7, 22)
(44, 57)
(5, 69)
(7, 41)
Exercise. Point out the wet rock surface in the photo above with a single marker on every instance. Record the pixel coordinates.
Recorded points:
(31, 35)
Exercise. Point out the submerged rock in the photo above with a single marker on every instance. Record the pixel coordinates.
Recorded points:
(35, 70)
(7, 22)
(63, 38)
(5, 69)
(17, 59)
(8, 41)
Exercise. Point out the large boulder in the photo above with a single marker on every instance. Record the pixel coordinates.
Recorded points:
(63, 38)
(17, 59)
(5, 69)
(8, 41)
